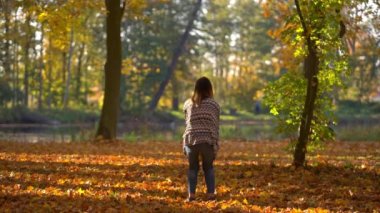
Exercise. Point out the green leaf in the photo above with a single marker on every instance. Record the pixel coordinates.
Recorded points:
(274, 111)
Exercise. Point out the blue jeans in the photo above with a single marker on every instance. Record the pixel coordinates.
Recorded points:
(206, 151)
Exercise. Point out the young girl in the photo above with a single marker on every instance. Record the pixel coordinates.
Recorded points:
(201, 136)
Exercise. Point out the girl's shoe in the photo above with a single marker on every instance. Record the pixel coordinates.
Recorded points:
(190, 199)
(211, 197)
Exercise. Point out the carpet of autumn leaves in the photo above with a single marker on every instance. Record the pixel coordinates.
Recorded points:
(151, 177)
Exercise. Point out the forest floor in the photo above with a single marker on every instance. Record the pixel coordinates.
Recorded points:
(151, 177)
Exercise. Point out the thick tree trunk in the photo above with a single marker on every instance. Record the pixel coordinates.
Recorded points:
(68, 79)
(176, 54)
(108, 119)
(311, 68)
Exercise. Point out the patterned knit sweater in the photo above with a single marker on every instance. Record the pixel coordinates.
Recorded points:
(202, 123)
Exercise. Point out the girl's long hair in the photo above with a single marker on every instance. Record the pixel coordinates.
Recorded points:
(202, 90)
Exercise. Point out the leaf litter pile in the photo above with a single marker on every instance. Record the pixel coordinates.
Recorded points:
(151, 177)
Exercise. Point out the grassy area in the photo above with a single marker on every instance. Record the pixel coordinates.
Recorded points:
(246, 116)
(347, 111)
(254, 133)
(125, 177)
(359, 133)
(44, 116)
(355, 110)
(71, 115)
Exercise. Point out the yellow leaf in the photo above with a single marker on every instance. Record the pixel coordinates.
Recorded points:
(61, 181)
(248, 174)
(245, 201)
(224, 206)
(80, 191)
(42, 16)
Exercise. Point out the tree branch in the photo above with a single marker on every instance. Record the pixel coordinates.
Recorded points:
(306, 33)
(299, 12)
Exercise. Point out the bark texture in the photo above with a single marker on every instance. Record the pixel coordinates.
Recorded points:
(311, 68)
(108, 119)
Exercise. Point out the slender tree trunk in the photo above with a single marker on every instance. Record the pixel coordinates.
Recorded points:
(175, 99)
(123, 91)
(16, 74)
(7, 53)
(86, 85)
(310, 65)
(361, 86)
(6, 57)
(40, 89)
(68, 79)
(216, 68)
(176, 54)
(311, 68)
(34, 72)
(15, 64)
(26, 62)
(175, 103)
(63, 75)
(78, 78)
(108, 119)
(49, 74)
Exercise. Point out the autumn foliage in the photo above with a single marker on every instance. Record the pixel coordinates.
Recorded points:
(151, 177)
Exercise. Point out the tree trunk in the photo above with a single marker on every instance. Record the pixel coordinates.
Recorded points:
(311, 68)
(175, 103)
(86, 84)
(68, 78)
(79, 73)
(63, 76)
(311, 64)
(16, 75)
(108, 119)
(15, 66)
(123, 91)
(7, 55)
(175, 99)
(26, 62)
(40, 89)
(49, 74)
(6, 60)
(176, 54)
